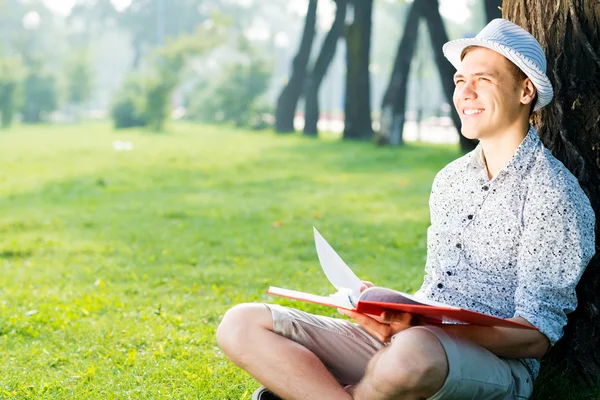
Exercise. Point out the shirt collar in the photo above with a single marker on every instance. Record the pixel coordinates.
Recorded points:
(519, 162)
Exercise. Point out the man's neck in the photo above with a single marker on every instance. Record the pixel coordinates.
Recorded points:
(498, 150)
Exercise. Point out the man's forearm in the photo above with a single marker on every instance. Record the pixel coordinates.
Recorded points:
(504, 342)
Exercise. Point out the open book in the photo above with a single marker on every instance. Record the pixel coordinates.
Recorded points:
(376, 300)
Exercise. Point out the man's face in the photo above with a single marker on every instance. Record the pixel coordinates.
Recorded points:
(486, 94)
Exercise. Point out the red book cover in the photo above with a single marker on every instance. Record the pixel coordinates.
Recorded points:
(433, 313)
(376, 300)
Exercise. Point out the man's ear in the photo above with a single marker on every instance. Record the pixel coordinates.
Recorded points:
(528, 91)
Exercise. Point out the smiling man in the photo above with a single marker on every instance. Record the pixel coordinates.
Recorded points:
(511, 233)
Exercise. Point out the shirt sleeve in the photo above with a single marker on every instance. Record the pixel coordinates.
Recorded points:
(428, 271)
(557, 244)
(433, 209)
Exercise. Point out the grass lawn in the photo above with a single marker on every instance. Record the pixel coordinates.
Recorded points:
(116, 267)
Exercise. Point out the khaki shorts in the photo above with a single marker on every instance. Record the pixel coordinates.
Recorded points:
(346, 348)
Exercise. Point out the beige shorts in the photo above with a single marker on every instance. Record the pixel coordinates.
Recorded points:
(346, 348)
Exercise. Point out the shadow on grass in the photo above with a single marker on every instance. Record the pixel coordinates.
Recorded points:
(360, 157)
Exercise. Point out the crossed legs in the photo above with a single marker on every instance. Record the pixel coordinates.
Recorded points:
(413, 366)
(285, 367)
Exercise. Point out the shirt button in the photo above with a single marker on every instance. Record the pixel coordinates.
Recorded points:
(470, 216)
(449, 273)
(458, 245)
(486, 188)
(440, 285)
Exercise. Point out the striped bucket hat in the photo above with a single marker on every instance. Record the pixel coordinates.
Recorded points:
(514, 43)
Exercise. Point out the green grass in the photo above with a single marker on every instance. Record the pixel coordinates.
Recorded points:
(116, 267)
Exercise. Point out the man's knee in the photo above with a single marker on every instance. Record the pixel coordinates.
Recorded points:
(232, 333)
(415, 362)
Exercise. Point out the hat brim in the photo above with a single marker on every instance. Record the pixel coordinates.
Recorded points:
(453, 49)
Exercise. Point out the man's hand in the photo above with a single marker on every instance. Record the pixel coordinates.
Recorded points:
(385, 326)
(365, 285)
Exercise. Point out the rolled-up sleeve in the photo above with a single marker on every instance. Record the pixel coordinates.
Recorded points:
(556, 246)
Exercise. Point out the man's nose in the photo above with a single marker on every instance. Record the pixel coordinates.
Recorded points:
(467, 91)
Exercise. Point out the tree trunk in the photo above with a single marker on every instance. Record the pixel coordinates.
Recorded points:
(393, 105)
(288, 99)
(7, 103)
(438, 36)
(569, 32)
(137, 53)
(493, 9)
(313, 83)
(357, 107)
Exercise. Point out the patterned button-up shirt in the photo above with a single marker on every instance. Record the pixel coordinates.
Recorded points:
(515, 245)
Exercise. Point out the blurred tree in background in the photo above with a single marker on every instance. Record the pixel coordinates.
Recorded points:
(128, 109)
(151, 22)
(80, 75)
(291, 70)
(11, 71)
(27, 30)
(288, 99)
(393, 108)
(40, 92)
(315, 77)
(147, 22)
(357, 104)
(145, 98)
(234, 94)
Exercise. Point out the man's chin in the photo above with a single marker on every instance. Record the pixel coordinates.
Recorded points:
(470, 133)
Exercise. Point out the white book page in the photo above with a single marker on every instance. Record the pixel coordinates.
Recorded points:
(339, 299)
(336, 270)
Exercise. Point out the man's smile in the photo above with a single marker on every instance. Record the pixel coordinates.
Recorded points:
(468, 112)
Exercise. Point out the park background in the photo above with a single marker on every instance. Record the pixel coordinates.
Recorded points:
(161, 161)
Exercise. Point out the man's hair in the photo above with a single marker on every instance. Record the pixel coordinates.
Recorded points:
(516, 72)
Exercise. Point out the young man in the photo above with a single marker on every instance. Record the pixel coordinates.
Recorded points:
(511, 233)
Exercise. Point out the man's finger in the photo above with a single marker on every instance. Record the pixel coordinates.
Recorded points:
(400, 317)
(374, 327)
(360, 318)
(365, 285)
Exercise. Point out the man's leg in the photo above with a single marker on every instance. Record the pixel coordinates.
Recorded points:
(414, 366)
(428, 363)
(284, 366)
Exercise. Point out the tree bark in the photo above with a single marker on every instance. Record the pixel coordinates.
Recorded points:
(315, 78)
(437, 33)
(357, 107)
(393, 106)
(288, 99)
(493, 9)
(569, 32)
(137, 53)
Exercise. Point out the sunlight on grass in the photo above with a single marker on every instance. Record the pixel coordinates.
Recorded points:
(116, 267)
